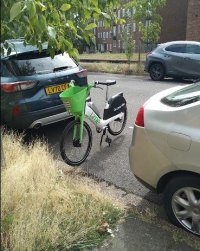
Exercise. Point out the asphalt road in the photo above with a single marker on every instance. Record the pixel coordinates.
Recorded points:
(111, 163)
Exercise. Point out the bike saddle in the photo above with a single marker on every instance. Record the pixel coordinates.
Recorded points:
(108, 82)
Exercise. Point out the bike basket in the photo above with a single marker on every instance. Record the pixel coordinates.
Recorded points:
(74, 99)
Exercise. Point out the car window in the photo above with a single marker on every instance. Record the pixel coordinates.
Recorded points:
(184, 96)
(178, 48)
(193, 48)
(32, 63)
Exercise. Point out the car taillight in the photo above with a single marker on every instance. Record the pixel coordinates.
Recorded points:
(82, 74)
(140, 117)
(17, 86)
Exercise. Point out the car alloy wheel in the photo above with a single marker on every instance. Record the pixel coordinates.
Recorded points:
(182, 202)
(186, 208)
(157, 72)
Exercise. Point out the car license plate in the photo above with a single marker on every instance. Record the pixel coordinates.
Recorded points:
(56, 88)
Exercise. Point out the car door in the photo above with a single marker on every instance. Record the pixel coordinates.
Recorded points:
(192, 60)
(174, 56)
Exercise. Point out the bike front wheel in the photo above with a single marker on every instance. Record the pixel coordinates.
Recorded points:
(117, 126)
(74, 152)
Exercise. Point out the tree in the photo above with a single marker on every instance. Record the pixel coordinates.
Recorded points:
(127, 36)
(147, 19)
(60, 23)
(128, 44)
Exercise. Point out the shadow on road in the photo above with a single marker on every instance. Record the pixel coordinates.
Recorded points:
(91, 165)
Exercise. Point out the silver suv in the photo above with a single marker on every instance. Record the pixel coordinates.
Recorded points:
(165, 152)
(178, 59)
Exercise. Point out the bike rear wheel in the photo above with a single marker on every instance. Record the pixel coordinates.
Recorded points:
(117, 126)
(72, 151)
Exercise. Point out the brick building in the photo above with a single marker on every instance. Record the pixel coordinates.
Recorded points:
(180, 21)
(193, 20)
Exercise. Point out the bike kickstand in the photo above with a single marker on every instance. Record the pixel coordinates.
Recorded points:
(104, 132)
(108, 140)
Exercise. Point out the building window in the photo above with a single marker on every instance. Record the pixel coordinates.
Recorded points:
(107, 34)
(114, 43)
(119, 13)
(134, 27)
(118, 29)
(128, 28)
(104, 36)
(114, 30)
(110, 47)
(107, 47)
(123, 12)
(110, 34)
(147, 23)
(119, 43)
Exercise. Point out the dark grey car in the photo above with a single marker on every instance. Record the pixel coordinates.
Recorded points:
(31, 83)
(178, 59)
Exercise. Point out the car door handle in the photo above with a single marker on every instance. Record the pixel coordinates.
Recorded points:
(186, 58)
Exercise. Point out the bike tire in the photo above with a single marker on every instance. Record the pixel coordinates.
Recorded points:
(122, 124)
(68, 147)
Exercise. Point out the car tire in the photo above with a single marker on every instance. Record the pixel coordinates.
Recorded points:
(157, 71)
(182, 202)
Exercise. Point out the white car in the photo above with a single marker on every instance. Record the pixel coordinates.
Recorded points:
(165, 152)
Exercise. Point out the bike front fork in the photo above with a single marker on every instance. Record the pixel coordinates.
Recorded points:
(77, 132)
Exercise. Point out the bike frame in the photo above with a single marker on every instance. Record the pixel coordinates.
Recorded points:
(96, 120)
(93, 117)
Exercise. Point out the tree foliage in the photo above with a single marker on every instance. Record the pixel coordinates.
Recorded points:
(129, 45)
(60, 23)
(147, 18)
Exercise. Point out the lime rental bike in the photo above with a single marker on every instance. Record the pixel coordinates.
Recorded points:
(76, 139)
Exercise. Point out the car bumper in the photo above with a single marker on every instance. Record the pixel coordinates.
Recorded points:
(38, 118)
(146, 161)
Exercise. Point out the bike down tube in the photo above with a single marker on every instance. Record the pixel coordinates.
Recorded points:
(98, 122)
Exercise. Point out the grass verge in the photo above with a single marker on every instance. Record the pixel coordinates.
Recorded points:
(44, 209)
(113, 56)
(135, 69)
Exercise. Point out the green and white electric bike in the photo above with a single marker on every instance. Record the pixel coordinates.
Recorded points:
(76, 139)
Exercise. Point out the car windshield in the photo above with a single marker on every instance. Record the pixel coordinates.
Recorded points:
(185, 96)
(31, 63)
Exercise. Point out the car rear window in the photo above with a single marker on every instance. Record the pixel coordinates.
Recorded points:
(33, 63)
(185, 96)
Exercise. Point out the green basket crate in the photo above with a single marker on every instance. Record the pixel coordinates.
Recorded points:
(74, 99)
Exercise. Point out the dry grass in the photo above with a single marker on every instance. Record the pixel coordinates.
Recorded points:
(43, 209)
(114, 68)
(113, 56)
